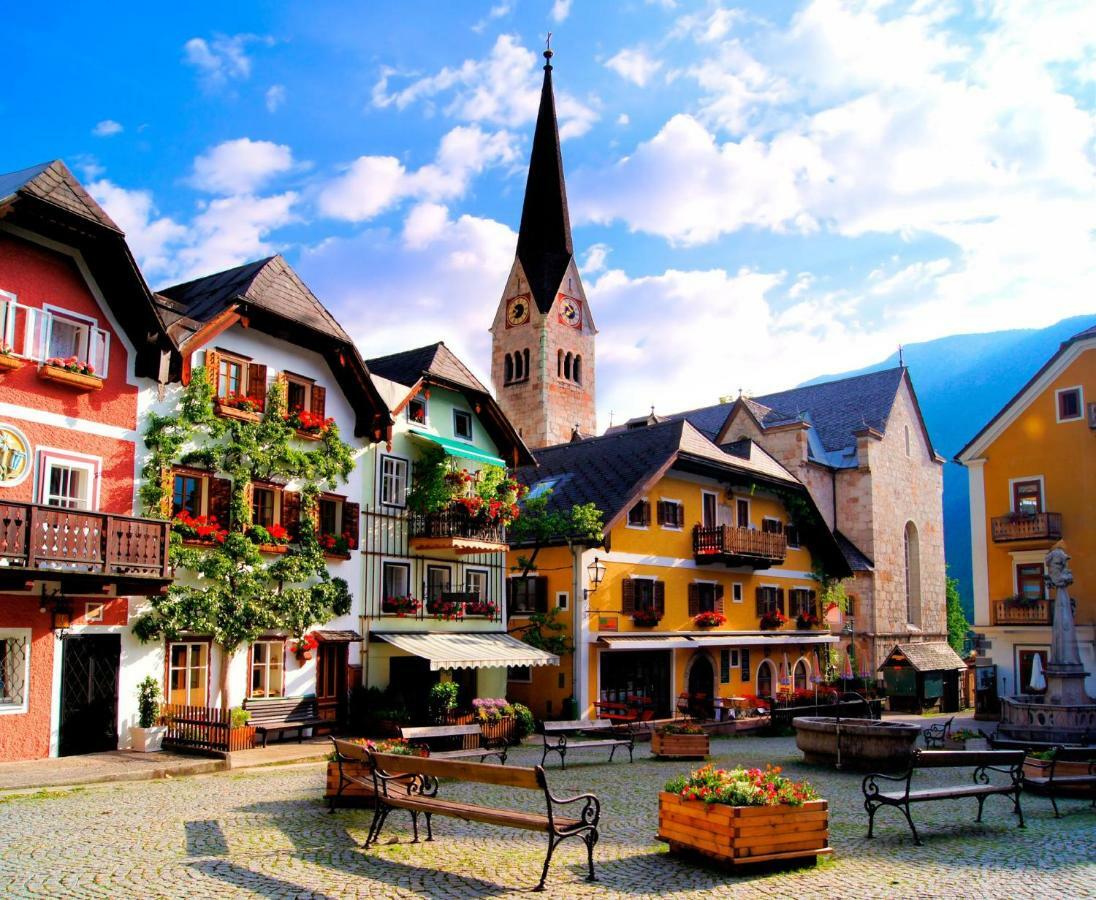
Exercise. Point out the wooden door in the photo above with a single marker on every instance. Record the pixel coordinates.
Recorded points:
(332, 680)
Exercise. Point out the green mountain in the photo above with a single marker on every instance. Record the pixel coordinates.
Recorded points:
(961, 383)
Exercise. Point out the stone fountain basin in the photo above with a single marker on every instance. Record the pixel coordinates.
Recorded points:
(865, 743)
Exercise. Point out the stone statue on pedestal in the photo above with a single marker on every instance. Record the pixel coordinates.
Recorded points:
(1065, 674)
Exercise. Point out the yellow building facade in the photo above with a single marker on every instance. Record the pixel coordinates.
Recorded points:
(1033, 483)
(699, 544)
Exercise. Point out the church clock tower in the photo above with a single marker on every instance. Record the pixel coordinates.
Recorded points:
(542, 360)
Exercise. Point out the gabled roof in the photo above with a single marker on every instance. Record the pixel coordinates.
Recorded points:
(544, 237)
(929, 656)
(268, 284)
(47, 200)
(409, 366)
(1024, 396)
(438, 365)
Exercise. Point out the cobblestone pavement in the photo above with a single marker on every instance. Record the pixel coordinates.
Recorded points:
(266, 833)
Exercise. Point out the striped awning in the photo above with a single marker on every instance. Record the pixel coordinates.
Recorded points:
(646, 642)
(470, 651)
(783, 638)
(462, 449)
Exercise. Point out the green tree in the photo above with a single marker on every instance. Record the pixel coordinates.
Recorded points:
(538, 526)
(958, 626)
(229, 589)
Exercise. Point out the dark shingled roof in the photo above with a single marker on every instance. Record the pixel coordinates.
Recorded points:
(53, 183)
(544, 238)
(928, 656)
(408, 367)
(857, 560)
(268, 284)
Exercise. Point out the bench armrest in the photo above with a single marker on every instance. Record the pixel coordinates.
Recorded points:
(981, 776)
(590, 813)
(871, 789)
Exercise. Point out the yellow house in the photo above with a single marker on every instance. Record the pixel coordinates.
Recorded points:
(703, 584)
(1032, 482)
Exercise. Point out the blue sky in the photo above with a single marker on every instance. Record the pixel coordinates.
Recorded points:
(760, 192)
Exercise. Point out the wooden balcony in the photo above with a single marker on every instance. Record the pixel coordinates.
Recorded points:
(1005, 612)
(734, 546)
(456, 530)
(1037, 528)
(83, 551)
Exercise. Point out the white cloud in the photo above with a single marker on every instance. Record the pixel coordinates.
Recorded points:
(503, 89)
(561, 9)
(634, 64)
(372, 184)
(623, 119)
(229, 231)
(223, 58)
(497, 11)
(150, 236)
(107, 128)
(275, 97)
(424, 224)
(240, 166)
(596, 257)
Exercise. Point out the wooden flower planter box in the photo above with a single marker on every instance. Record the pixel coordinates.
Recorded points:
(274, 548)
(680, 746)
(743, 835)
(9, 363)
(309, 435)
(230, 412)
(74, 380)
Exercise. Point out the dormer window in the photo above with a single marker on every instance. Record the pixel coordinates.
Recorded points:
(416, 410)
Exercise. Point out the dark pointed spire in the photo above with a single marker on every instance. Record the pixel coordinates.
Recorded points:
(544, 239)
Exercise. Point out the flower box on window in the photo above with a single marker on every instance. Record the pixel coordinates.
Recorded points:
(8, 360)
(236, 406)
(646, 617)
(71, 373)
(400, 606)
(772, 620)
(487, 608)
(709, 620)
(337, 545)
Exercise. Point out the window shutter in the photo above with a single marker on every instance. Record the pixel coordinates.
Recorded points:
(213, 369)
(812, 599)
(694, 599)
(780, 600)
(351, 522)
(646, 512)
(660, 598)
(628, 598)
(719, 599)
(663, 514)
(291, 514)
(745, 659)
(542, 593)
(319, 400)
(220, 501)
(282, 380)
(679, 511)
(759, 594)
(167, 485)
(256, 384)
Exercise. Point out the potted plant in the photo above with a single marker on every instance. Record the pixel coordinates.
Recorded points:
(71, 372)
(646, 617)
(241, 735)
(308, 425)
(772, 620)
(709, 620)
(8, 359)
(147, 735)
(742, 816)
(305, 647)
(400, 606)
(806, 621)
(680, 740)
(354, 793)
(443, 700)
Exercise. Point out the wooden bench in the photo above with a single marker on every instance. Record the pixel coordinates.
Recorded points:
(935, 735)
(1004, 762)
(615, 735)
(485, 749)
(1063, 773)
(278, 715)
(413, 783)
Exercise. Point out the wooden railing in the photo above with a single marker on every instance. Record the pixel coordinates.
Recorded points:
(1006, 612)
(49, 537)
(196, 727)
(1045, 526)
(731, 540)
(456, 522)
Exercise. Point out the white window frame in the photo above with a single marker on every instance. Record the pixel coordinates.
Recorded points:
(471, 425)
(563, 599)
(479, 570)
(190, 645)
(749, 512)
(737, 593)
(404, 564)
(300, 381)
(418, 398)
(9, 304)
(405, 463)
(93, 612)
(91, 465)
(91, 324)
(1080, 404)
(680, 527)
(274, 641)
(1042, 489)
(12, 709)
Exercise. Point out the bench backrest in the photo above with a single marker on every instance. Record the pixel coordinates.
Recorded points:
(936, 759)
(481, 773)
(351, 750)
(438, 731)
(280, 709)
(578, 725)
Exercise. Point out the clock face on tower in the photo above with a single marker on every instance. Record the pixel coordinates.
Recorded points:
(570, 311)
(517, 310)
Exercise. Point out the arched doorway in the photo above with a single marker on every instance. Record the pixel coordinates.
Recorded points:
(801, 675)
(766, 678)
(701, 681)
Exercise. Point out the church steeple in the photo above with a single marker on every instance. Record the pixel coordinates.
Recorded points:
(542, 356)
(544, 238)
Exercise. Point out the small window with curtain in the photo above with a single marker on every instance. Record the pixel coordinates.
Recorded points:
(14, 669)
(525, 595)
(771, 526)
(639, 516)
(1027, 497)
(671, 514)
(296, 395)
(188, 673)
(393, 481)
(416, 410)
(267, 668)
(1030, 583)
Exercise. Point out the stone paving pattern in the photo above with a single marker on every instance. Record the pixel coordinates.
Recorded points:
(266, 833)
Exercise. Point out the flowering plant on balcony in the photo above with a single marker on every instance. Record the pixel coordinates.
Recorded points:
(709, 620)
(232, 400)
(270, 535)
(646, 617)
(337, 543)
(71, 364)
(481, 608)
(1022, 601)
(400, 606)
(449, 610)
(806, 620)
(198, 528)
(773, 619)
(308, 422)
(305, 646)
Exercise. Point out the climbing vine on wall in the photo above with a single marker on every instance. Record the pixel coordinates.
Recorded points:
(226, 586)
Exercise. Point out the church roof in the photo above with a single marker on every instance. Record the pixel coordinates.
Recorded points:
(544, 237)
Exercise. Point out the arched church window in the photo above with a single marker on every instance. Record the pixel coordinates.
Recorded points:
(576, 369)
(525, 363)
(508, 369)
(559, 364)
(567, 367)
(913, 575)
(518, 373)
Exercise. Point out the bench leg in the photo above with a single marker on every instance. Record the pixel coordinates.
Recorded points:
(414, 826)
(553, 842)
(871, 808)
(429, 832)
(1054, 803)
(590, 839)
(981, 803)
(1019, 811)
(913, 828)
(380, 813)
(612, 753)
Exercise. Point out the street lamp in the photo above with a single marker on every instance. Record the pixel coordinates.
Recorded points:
(596, 573)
